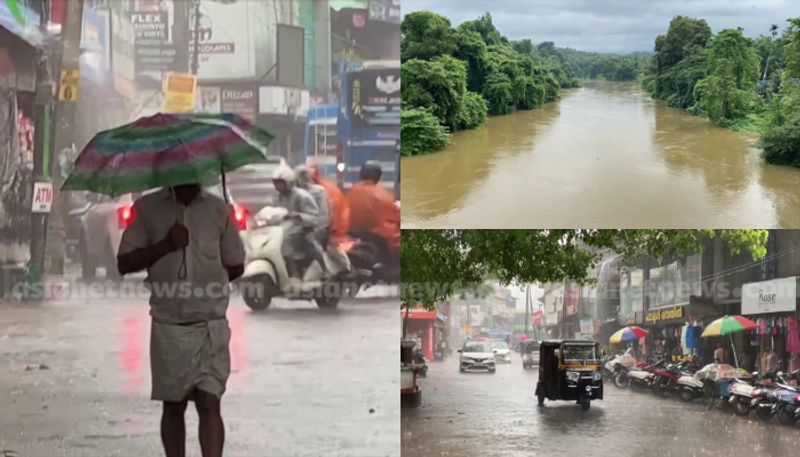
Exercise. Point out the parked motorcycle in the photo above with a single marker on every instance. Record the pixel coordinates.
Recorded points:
(641, 378)
(777, 398)
(665, 378)
(617, 367)
(743, 391)
(690, 387)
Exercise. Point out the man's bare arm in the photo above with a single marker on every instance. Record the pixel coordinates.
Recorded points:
(143, 258)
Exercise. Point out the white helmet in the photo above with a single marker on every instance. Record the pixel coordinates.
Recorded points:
(284, 173)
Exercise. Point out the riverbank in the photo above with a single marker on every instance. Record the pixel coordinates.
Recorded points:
(607, 155)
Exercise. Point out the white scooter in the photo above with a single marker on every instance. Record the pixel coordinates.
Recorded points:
(265, 275)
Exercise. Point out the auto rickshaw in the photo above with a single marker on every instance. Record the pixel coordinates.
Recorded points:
(569, 370)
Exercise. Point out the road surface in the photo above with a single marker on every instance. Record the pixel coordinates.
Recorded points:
(76, 380)
(480, 414)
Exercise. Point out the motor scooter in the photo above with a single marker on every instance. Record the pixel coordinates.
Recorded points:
(265, 274)
(778, 398)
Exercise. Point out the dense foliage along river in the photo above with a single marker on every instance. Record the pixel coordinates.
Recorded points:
(605, 155)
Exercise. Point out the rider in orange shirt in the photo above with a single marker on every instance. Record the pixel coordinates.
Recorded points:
(340, 208)
(372, 207)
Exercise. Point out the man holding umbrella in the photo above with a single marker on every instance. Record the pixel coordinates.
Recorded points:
(189, 338)
(187, 241)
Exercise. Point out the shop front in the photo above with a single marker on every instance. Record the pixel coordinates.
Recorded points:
(665, 328)
(775, 343)
(426, 328)
(18, 51)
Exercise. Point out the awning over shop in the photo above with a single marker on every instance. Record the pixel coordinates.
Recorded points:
(25, 27)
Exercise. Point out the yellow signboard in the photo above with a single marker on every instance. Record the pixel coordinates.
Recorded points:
(664, 314)
(179, 93)
(68, 88)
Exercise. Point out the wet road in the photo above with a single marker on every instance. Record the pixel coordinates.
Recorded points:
(607, 156)
(76, 380)
(479, 414)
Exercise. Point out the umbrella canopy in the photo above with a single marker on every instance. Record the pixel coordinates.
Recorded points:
(626, 334)
(727, 325)
(167, 150)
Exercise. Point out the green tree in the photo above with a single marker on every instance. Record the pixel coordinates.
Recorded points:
(679, 61)
(499, 94)
(421, 132)
(485, 28)
(472, 111)
(437, 264)
(472, 50)
(437, 84)
(728, 90)
(425, 35)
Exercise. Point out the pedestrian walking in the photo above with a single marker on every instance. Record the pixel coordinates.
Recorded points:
(187, 241)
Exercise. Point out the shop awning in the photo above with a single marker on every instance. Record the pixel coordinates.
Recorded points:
(27, 29)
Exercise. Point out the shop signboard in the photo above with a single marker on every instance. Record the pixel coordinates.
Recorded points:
(775, 296)
(375, 97)
(123, 54)
(95, 44)
(283, 101)
(665, 315)
(241, 99)
(209, 99)
(153, 47)
(179, 93)
(42, 197)
(226, 40)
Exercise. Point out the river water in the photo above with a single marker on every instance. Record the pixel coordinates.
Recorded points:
(607, 156)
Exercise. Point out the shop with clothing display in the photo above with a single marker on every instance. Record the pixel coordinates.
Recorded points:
(775, 343)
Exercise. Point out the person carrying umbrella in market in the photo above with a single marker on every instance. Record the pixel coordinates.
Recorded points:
(187, 241)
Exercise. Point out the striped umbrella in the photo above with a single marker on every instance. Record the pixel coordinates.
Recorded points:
(626, 334)
(728, 325)
(167, 150)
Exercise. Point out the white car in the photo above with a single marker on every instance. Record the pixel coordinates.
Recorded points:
(502, 353)
(476, 356)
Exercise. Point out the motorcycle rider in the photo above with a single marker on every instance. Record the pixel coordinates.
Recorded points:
(340, 208)
(298, 243)
(372, 207)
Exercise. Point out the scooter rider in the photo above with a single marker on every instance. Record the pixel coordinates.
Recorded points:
(303, 217)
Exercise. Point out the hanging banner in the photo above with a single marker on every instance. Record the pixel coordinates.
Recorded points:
(179, 93)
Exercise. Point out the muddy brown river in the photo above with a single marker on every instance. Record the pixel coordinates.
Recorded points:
(606, 155)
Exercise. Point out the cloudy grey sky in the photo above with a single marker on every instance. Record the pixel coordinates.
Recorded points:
(609, 25)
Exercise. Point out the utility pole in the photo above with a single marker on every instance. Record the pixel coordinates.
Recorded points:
(527, 307)
(41, 154)
(64, 127)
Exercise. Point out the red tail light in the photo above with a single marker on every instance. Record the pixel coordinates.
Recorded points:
(347, 244)
(124, 216)
(239, 217)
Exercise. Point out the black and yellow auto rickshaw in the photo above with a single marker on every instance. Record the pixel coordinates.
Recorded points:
(569, 370)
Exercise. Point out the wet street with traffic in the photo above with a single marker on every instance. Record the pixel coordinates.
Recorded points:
(304, 382)
(482, 414)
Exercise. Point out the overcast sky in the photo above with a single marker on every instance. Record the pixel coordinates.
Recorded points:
(609, 25)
